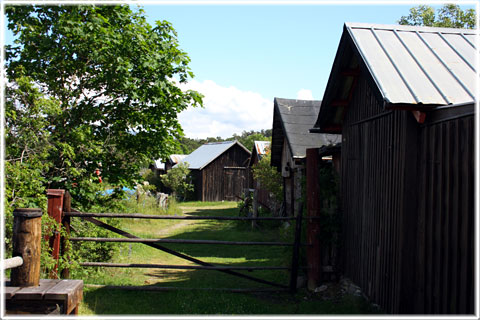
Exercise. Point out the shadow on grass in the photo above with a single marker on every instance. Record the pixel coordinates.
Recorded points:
(189, 298)
(109, 301)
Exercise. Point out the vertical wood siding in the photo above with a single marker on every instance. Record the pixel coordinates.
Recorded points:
(407, 205)
(444, 282)
(215, 178)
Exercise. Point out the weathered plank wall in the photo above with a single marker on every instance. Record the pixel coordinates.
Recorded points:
(213, 176)
(445, 276)
(407, 200)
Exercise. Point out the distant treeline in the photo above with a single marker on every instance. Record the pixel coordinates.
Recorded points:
(246, 138)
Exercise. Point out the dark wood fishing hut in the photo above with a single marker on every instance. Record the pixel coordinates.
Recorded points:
(292, 120)
(403, 99)
(219, 171)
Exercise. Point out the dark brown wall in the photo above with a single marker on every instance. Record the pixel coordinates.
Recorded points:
(407, 200)
(445, 257)
(215, 178)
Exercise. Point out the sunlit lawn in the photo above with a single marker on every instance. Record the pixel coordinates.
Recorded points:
(194, 294)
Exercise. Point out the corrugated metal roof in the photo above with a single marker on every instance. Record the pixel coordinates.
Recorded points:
(418, 65)
(176, 158)
(262, 147)
(412, 67)
(208, 152)
(298, 117)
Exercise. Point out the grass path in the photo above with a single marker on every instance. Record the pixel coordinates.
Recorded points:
(197, 300)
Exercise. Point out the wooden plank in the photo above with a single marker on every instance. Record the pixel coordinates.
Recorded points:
(9, 292)
(36, 292)
(69, 291)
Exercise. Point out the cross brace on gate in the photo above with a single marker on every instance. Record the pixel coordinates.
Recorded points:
(180, 255)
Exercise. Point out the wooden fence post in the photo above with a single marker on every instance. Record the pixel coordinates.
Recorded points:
(67, 207)
(54, 209)
(255, 208)
(296, 251)
(27, 233)
(313, 226)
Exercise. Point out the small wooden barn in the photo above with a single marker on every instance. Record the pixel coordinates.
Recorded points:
(292, 120)
(403, 99)
(219, 171)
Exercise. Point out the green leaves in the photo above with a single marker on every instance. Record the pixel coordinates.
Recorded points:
(178, 179)
(111, 100)
(448, 16)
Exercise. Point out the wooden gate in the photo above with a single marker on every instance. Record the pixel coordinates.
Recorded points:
(67, 213)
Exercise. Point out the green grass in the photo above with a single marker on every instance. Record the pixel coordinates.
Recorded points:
(193, 299)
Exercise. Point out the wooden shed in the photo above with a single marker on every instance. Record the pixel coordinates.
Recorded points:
(403, 99)
(292, 120)
(219, 171)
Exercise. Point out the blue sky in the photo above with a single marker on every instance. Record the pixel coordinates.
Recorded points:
(245, 55)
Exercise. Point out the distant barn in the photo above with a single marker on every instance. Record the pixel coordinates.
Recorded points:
(219, 171)
(292, 120)
(403, 99)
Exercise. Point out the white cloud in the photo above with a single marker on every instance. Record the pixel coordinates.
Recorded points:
(304, 94)
(226, 111)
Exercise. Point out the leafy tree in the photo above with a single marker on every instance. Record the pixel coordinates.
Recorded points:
(111, 82)
(177, 179)
(448, 16)
(269, 178)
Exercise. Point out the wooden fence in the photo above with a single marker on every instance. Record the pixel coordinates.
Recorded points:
(60, 199)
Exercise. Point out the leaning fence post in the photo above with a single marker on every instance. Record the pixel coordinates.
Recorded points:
(296, 251)
(27, 233)
(54, 209)
(67, 207)
(313, 226)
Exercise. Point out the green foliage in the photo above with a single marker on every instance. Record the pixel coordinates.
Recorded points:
(448, 16)
(270, 179)
(178, 179)
(330, 222)
(89, 87)
(246, 138)
(111, 79)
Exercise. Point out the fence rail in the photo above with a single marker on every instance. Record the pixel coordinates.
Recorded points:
(12, 263)
(147, 216)
(69, 212)
(177, 267)
(182, 241)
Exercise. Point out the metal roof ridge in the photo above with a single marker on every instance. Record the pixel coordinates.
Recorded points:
(366, 25)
